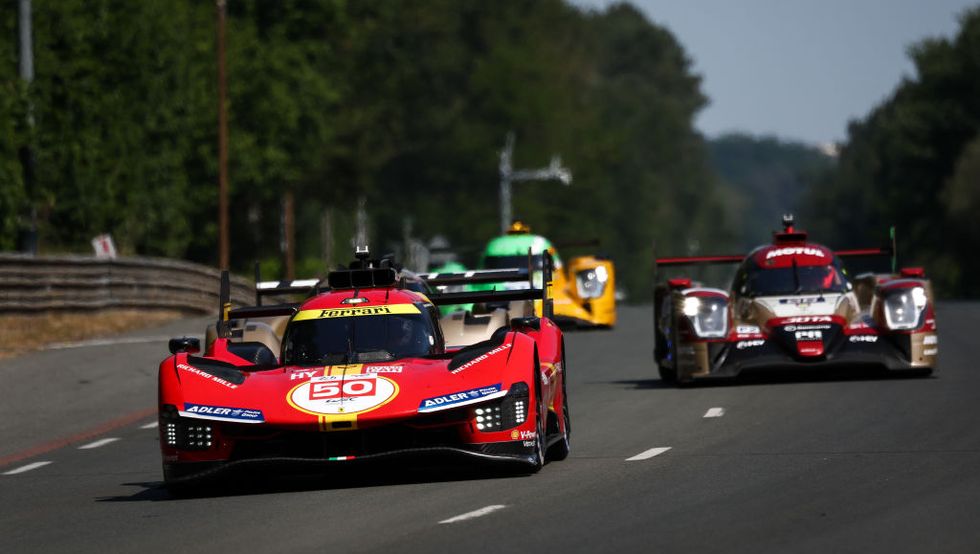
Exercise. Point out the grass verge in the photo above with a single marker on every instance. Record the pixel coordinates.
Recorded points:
(24, 333)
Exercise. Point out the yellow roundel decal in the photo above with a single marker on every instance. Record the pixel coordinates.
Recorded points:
(342, 394)
(389, 309)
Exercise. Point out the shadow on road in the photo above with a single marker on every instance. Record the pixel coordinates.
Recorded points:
(637, 384)
(778, 377)
(277, 479)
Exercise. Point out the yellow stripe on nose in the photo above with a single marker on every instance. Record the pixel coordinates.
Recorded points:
(351, 369)
(338, 422)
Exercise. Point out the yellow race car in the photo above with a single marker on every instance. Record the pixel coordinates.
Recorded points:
(584, 289)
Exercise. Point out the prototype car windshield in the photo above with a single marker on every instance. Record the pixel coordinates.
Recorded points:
(360, 339)
(790, 280)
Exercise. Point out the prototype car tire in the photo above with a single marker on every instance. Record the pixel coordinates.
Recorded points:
(175, 484)
(559, 451)
(537, 458)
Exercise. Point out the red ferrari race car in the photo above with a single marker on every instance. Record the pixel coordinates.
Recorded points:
(364, 373)
(793, 305)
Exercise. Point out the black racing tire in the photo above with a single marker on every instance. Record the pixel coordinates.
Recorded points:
(667, 373)
(559, 451)
(659, 347)
(538, 457)
(175, 485)
(186, 480)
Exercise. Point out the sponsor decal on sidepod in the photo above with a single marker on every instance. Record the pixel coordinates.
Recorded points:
(206, 375)
(222, 412)
(742, 345)
(481, 357)
(460, 398)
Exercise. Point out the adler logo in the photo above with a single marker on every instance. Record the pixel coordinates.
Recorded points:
(797, 251)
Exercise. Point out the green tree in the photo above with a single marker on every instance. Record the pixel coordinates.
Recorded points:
(897, 166)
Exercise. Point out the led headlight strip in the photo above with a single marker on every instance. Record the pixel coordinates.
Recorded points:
(708, 315)
(904, 307)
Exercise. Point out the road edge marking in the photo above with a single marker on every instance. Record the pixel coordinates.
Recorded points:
(98, 443)
(44, 448)
(715, 412)
(28, 467)
(475, 513)
(105, 342)
(647, 454)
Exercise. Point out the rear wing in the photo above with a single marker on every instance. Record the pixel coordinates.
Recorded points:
(276, 288)
(383, 277)
(698, 260)
(479, 276)
(890, 250)
(485, 276)
(226, 313)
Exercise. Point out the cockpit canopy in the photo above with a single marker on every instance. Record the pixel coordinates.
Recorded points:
(339, 339)
(753, 280)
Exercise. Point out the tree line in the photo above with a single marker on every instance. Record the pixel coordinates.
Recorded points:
(404, 105)
(914, 162)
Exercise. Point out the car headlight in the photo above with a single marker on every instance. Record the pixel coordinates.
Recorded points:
(591, 283)
(506, 413)
(708, 315)
(903, 308)
(183, 433)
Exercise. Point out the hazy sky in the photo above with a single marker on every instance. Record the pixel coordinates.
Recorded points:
(799, 69)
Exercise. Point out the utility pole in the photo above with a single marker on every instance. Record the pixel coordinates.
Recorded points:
(223, 241)
(28, 239)
(288, 234)
(508, 176)
(326, 238)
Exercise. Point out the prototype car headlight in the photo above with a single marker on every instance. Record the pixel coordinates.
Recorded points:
(506, 413)
(591, 283)
(708, 315)
(183, 433)
(903, 308)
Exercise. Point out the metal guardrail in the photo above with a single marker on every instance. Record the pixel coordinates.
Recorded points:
(30, 284)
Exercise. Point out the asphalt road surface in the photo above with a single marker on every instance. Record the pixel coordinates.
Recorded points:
(790, 463)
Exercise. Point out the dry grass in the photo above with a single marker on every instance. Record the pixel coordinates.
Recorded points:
(23, 333)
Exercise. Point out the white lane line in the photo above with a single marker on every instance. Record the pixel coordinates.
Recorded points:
(28, 467)
(714, 412)
(475, 513)
(106, 342)
(150, 425)
(98, 443)
(647, 454)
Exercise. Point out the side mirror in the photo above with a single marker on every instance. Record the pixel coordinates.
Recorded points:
(190, 345)
(525, 323)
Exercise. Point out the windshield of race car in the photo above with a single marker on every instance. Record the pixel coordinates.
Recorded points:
(756, 281)
(359, 339)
